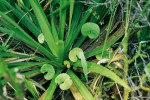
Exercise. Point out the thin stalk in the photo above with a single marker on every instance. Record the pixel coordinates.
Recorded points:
(115, 5)
(125, 47)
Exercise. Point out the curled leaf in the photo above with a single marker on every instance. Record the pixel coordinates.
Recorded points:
(64, 81)
(67, 63)
(91, 30)
(76, 53)
(50, 71)
(41, 38)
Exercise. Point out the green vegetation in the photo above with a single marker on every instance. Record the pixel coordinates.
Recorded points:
(74, 49)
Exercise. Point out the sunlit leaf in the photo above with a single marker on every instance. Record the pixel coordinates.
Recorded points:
(67, 63)
(41, 38)
(64, 81)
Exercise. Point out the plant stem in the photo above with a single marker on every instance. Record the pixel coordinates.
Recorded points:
(125, 47)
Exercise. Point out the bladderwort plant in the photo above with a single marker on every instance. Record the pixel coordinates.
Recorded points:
(51, 35)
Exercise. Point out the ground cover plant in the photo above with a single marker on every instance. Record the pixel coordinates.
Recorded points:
(74, 49)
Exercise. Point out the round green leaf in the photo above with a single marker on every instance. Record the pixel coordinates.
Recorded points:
(64, 81)
(41, 38)
(91, 30)
(74, 53)
(50, 71)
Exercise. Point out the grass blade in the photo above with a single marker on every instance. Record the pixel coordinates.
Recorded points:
(116, 36)
(54, 31)
(31, 87)
(23, 18)
(71, 13)
(27, 39)
(48, 94)
(74, 35)
(62, 15)
(80, 86)
(45, 26)
(99, 69)
(11, 77)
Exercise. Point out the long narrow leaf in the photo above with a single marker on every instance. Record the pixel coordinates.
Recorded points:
(54, 30)
(99, 69)
(62, 18)
(27, 39)
(116, 36)
(48, 94)
(71, 13)
(74, 35)
(45, 26)
(11, 77)
(23, 17)
(80, 86)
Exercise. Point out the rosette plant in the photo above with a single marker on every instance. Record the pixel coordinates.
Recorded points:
(46, 44)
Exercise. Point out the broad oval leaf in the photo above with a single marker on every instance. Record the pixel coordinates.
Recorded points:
(50, 71)
(64, 81)
(91, 30)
